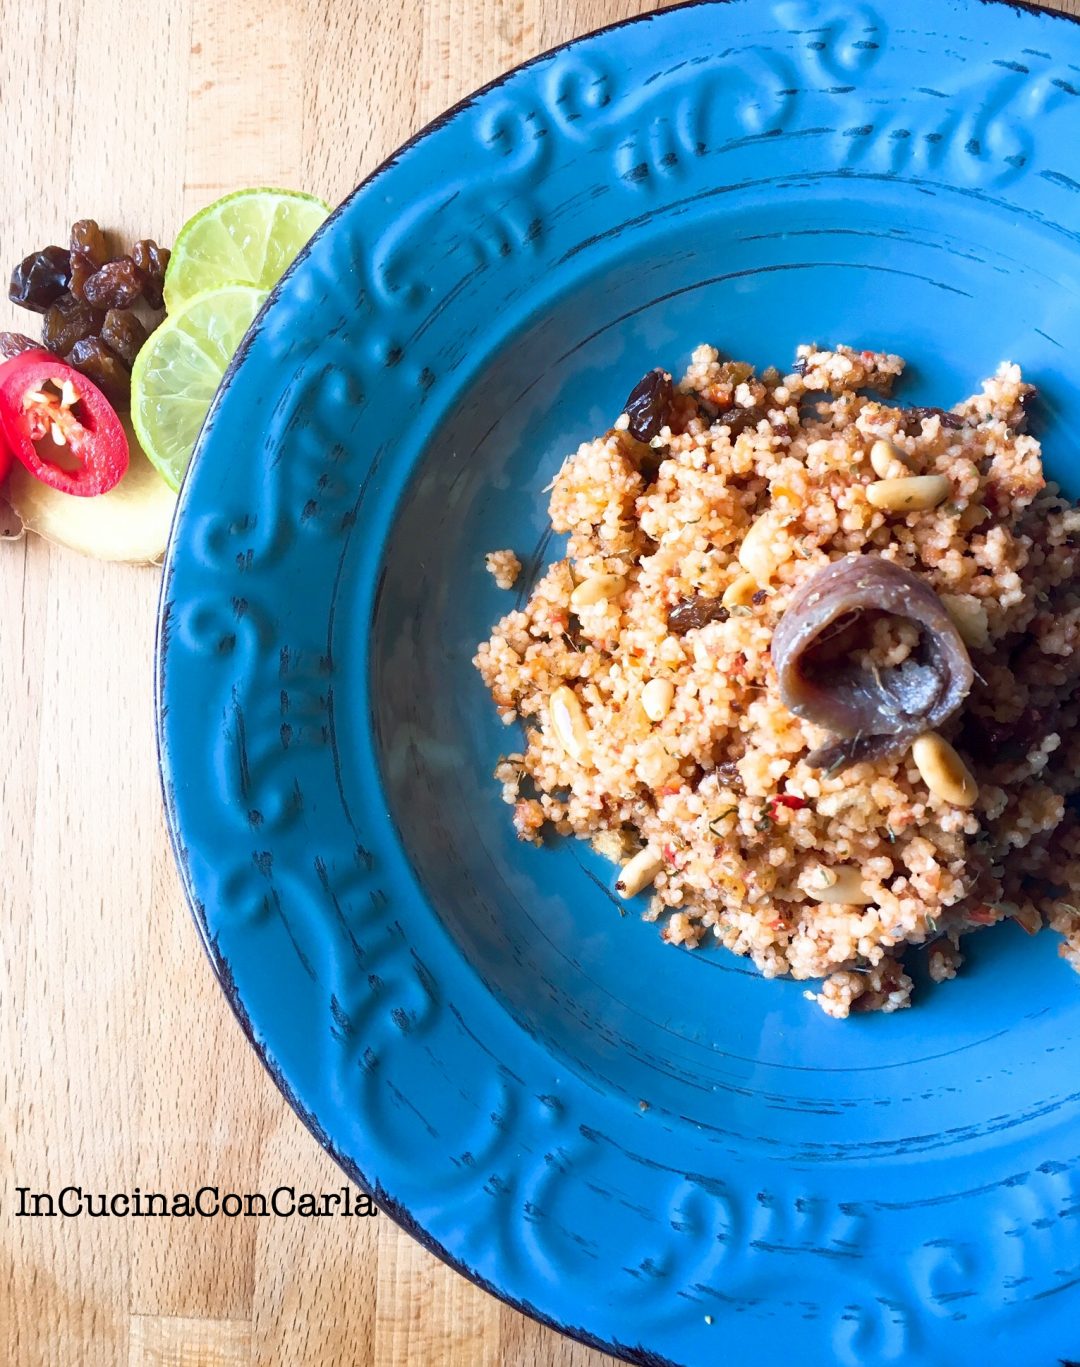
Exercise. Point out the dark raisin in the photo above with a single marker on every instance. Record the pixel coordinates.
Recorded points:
(645, 459)
(1027, 402)
(40, 278)
(650, 462)
(649, 405)
(68, 322)
(116, 285)
(761, 596)
(727, 771)
(150, 261)
(695, 612)
(123, 334)
(82, 268)
(89, 252)
(911, 419)
(15, 343)
(739, 419)
(88, 241)
(988, 740)
(98, 363)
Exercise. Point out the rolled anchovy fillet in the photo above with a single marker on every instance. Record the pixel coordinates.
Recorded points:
(873, 714)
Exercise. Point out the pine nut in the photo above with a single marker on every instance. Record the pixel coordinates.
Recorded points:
(656, 698)
(739, 592)
(568, 722)
(760, 552)
(912, 494)
(596, 588)
(638, 873)
(888, 461)
(969, 617)
(943, 771)
(846, 888)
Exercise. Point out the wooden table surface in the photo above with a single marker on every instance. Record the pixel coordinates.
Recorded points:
(123, 1066)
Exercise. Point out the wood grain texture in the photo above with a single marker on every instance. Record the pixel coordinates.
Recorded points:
(122, 1064)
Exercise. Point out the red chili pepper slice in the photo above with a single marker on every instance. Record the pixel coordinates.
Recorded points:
(785, 800)
(40, 397)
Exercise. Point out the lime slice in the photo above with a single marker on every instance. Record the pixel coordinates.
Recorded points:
(246, 238)
(177, 372)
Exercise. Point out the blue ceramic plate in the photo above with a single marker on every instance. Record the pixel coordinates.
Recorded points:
(655, 1150)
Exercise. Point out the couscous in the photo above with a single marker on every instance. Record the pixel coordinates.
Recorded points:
(880, 772)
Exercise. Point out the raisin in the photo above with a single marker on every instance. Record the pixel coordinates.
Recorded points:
(695, 612)
(649, 461)
(911, 419)
(1028, 401)
(706, 408)
(150, 261)
(15, 343)
(649, 405)
(89, 252)
(116, 285)
(739, 419)
(40, 278)
(727, 771)
(988, 740)
(68, 322)
(123, 334)
(88, 241)
(98, 363)
(82, 268)
(644, 458)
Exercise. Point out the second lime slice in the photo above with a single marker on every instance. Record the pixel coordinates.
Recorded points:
(249, 237)
(176, 374)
